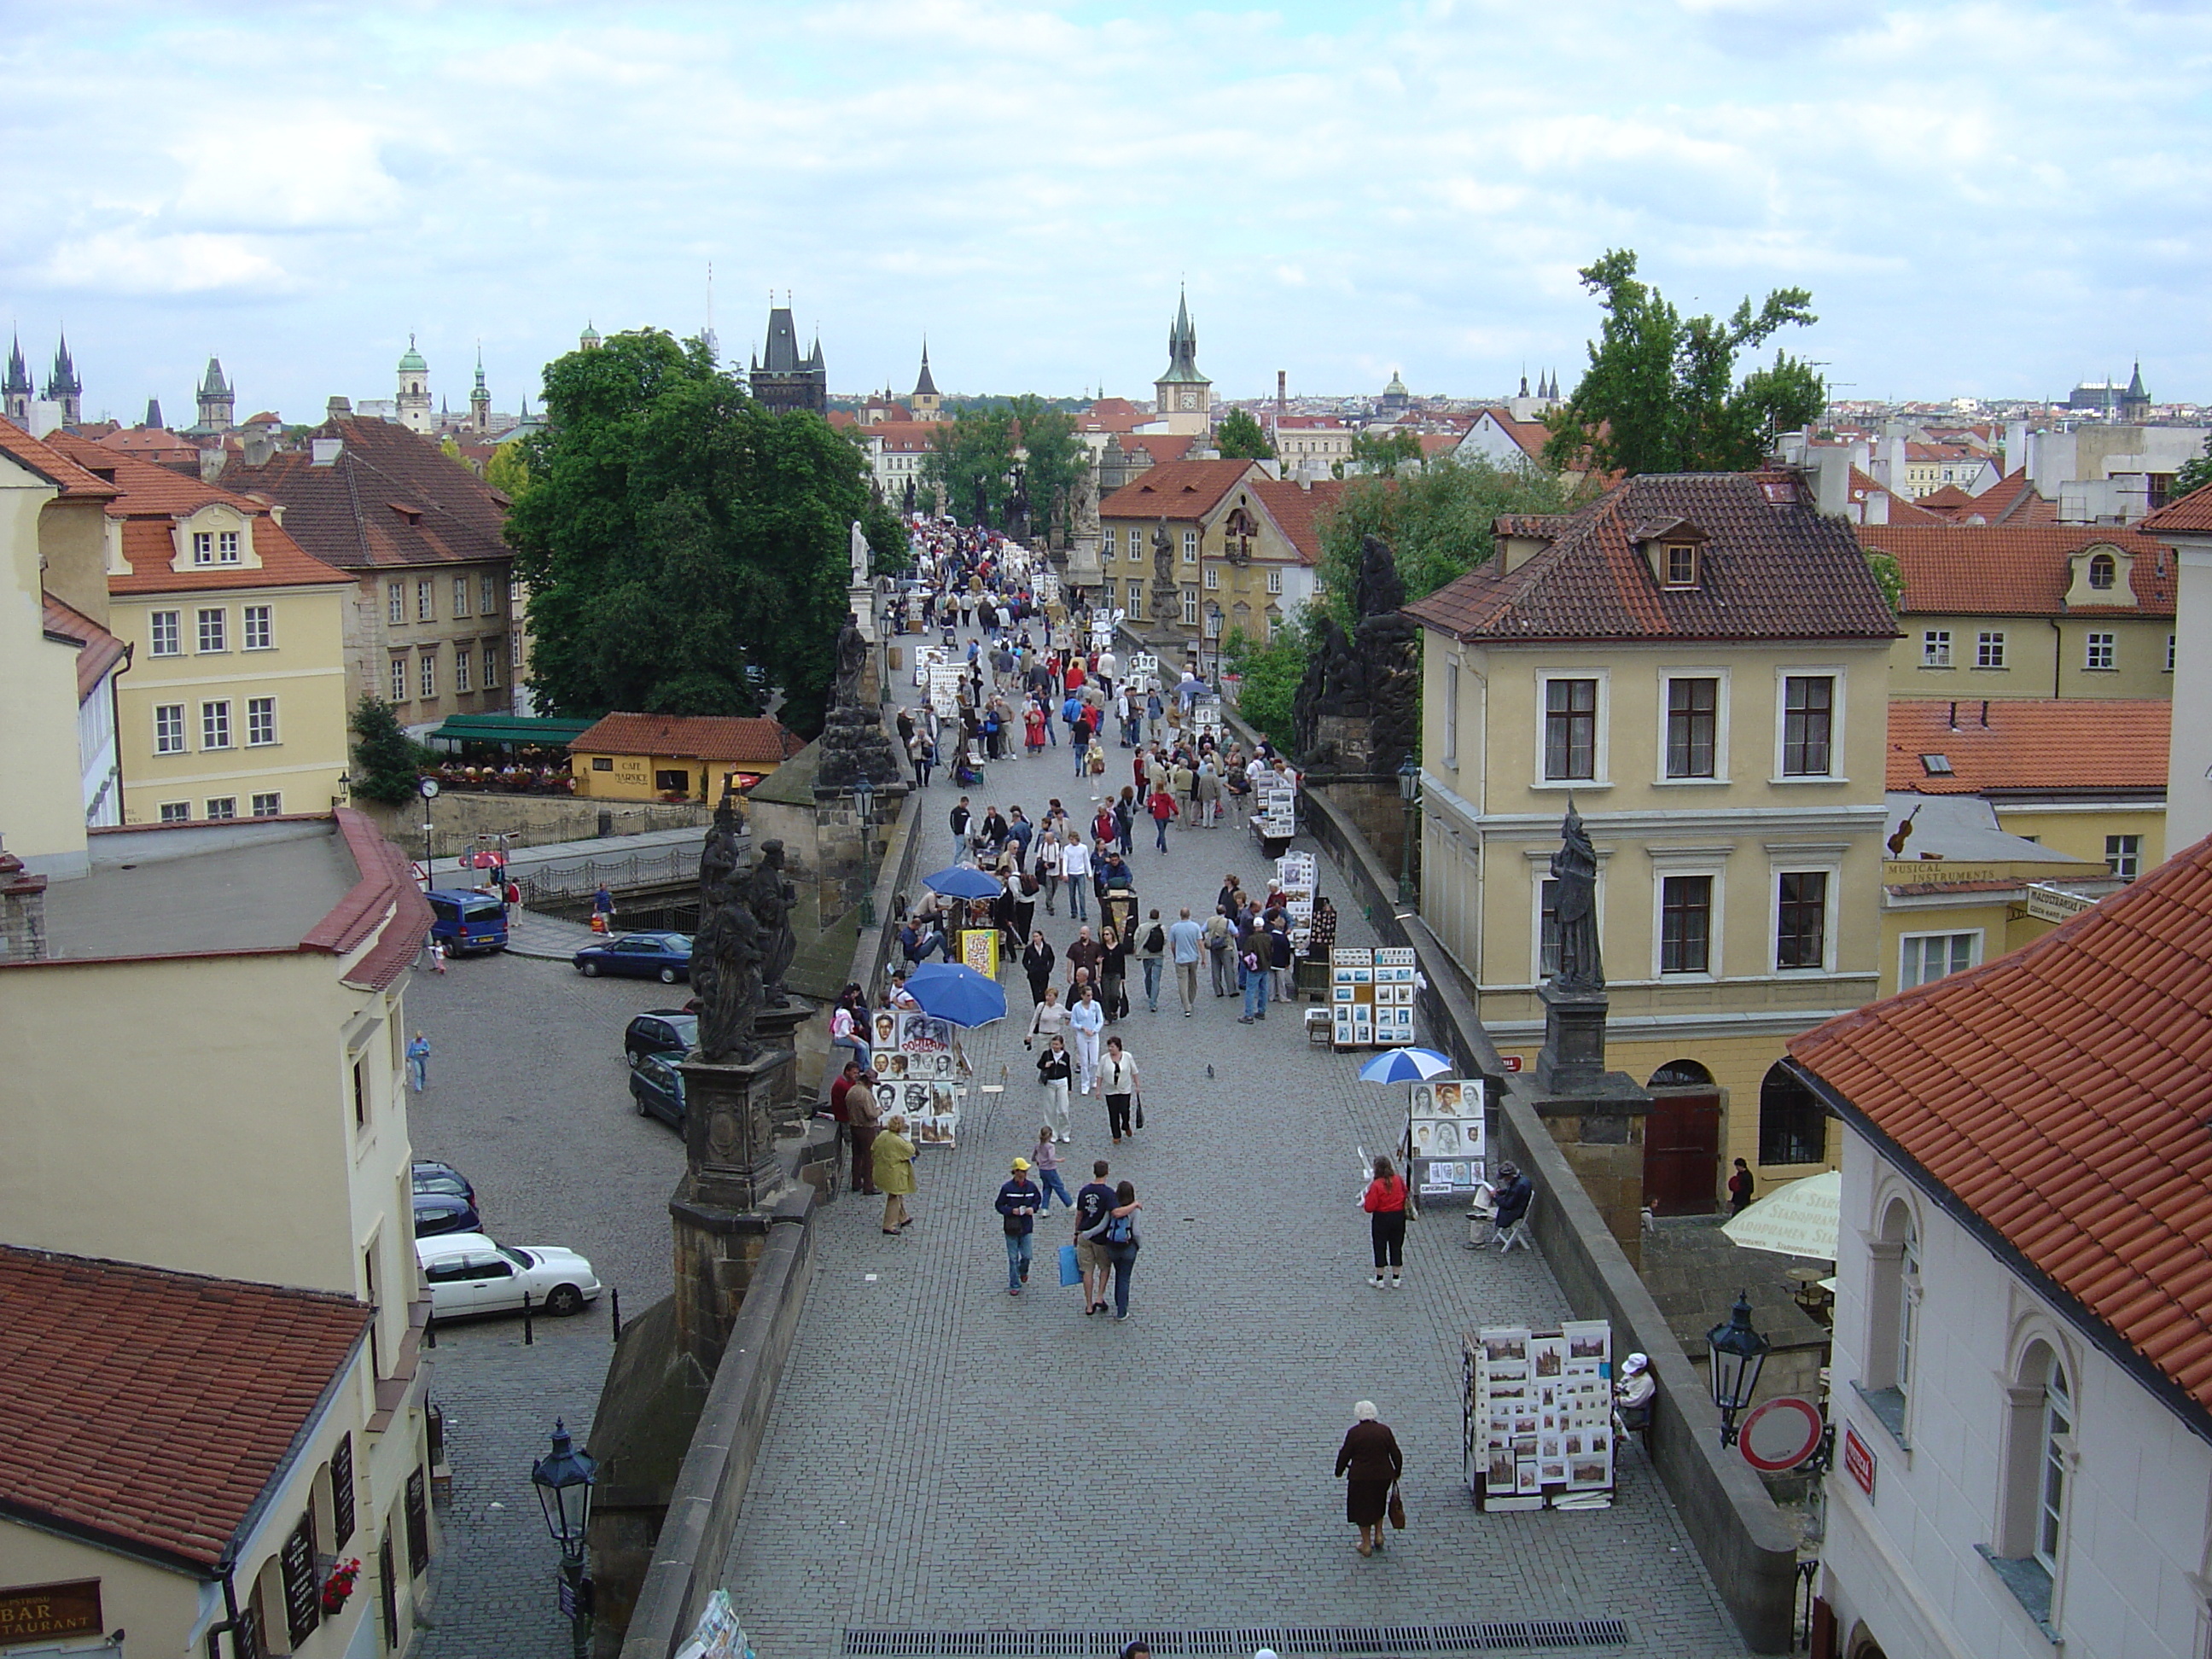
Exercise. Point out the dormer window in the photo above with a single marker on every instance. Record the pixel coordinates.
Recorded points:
(2102, 570)
(215, 547)
(1681, 560)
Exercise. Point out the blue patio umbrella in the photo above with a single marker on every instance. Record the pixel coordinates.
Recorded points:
(954, 992)
(962, 881)
(1405, 1066)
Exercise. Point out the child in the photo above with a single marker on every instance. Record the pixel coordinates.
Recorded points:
(1044, 1163)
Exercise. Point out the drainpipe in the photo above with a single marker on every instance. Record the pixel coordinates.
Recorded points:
(2057, 656)
(227, 1567)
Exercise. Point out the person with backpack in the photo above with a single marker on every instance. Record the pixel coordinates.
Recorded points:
(1385, 1204)
(1122, 1237)
(1151, 952)
(1251, 972)
(1093, 1204)
(1018, 1201)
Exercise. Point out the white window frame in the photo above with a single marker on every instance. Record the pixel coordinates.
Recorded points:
(260, 722)
(514, 649)
(2169, 654)
(226, 547)
(426, 675)
(175, 811)
(212, 621)
(1190, 547)
(1106, 543)
(164, 628)
(1780, 867)
(395, 604)
(1212, 578)
(1665, 866)
(171, 735)
(2100, 644)
(1602, 745)
(258, 628)
(1450, 755)
(272, 801)
(488, 594)
(2126, 861)
(1989, 650)
(399, 679)
(463, 679)
(1906, 941)
(1839, 728)
(215, 722)
(1274, 581)
(1936, 648)
(490, 665)
(203, 547)
(1722, 701)
(1189, 606)
(426, 600)
(460, 596)
(221, 809)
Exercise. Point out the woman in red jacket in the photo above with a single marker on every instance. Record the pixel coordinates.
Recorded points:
(1385, 1205)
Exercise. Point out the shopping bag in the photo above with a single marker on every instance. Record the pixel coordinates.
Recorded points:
(1069, 1273)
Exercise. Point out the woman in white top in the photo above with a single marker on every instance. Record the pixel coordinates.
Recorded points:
(1049, 1019)
(1049, 847)
(1118, 1077)
(1086, 1019)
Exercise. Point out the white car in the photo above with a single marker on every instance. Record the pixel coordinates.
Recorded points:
(471, 1274)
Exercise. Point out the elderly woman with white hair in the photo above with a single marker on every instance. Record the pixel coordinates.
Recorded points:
(1371, 1459)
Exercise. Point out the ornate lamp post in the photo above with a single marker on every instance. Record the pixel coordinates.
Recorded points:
(564, 1478)
(1738, 1354)
(864, 796)
(1409, 792)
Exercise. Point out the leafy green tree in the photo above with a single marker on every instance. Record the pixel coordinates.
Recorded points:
(1889, 576)
(384, 761)
(1385, 452)
(1660, 394)
(684, 548)
(970, 466)
(1054, 459)
(508, 469)
(1270, 672)
(1437, 521)
(2194, 474)
(1240, 439)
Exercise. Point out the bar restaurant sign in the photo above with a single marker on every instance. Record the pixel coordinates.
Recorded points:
(40, 1613)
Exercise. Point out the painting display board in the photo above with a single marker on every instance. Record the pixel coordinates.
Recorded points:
(979, 949)
(1299, 874)
(1206, 718)
(926, 656)
(1351, 997)
(1446, 1127)
(1142, 671)
(1395, 988)
(918, 1078)
(944, 690)
(1538, 1416)
(1103, 624)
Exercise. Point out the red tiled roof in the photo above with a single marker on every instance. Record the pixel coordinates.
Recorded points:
(343, 513)
(1772, 567)
(2013, 570)
(48, 461)
(757, 741)
(2193, 512)
(150, 443)
(385, 889)
(2059, 1094)
(1950, 495)
(1902, 509)
(905, 437)
(97, 650)
(1163, 446)
(153, 1410)
(1298, 510)
(1177, 489)
(2086, 745)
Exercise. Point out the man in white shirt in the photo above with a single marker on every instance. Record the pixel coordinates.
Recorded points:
(1106, 668)
(1086, 1021)
(1075, 865)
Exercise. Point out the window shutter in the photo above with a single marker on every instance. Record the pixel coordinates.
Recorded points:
(341, 1472)
(303, 1603)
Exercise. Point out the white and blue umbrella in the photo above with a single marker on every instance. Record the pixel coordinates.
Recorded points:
(956, 994)
(1405, 1065)
(964, 882)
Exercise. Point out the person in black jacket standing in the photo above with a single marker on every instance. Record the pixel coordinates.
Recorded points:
(958, 819)
(1037, 960)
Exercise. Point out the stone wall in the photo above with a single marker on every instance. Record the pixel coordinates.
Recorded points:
(457, 819)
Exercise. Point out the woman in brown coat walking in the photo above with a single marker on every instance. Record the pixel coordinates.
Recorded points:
(1371, 1455)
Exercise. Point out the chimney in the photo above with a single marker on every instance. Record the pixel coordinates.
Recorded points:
(325, 451)
(211, 462)
(1985, 714)
(338, 407)
(1954, 716)
(260, 444)
(1282, 393)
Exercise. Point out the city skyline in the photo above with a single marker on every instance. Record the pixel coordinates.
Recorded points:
(1027, 186)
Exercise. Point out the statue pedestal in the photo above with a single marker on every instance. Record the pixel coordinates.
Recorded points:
(1596, 1117)
(860, 600)
(720, 1207)
(1573, 1056)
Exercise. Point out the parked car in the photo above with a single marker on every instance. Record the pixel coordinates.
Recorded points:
(661, 1031)
(445, 1213)
(664, 956)
(471, 1274)
(432, 1176)
(467, 921)
(657, 1086)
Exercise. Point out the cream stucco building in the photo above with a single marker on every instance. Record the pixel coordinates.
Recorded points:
(1697, 664)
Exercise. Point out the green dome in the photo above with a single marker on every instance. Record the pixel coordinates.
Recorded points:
(411, 362)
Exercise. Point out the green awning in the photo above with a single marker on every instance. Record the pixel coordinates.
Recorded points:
(510, 728)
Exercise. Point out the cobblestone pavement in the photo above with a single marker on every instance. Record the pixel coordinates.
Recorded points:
(943, 1455)
(529, 1097)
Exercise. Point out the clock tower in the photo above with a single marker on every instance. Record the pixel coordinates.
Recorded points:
(1185, 395)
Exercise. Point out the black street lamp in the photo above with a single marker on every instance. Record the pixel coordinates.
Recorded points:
(1738, 1354)
(1409, 790)
(564, 1478)
(864, 795)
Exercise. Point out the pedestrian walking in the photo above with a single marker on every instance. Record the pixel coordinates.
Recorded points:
(958, 819)
(1370, 1463)
(1152, 954)
(1044, 1163)
(1086, 1020)
(1221, 949)
(1252, 974)
(1118, 1076)
(1162, 806)
(1020, 1200)
(1092, 1205)
(1055, 1069)
(438, 955)
(1075, 865)
(1038, 959)
(1121, 1235)
(1114, 972)
(1050, 849)
(1739, 1188)
(1186, 939)
(894, 1156)
(418, 1062)
(1385, 1204)
(603, 910)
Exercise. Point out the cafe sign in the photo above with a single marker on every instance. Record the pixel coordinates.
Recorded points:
(40, 1613)
(2055, 904)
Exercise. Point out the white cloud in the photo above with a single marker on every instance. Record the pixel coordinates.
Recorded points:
(129, 261)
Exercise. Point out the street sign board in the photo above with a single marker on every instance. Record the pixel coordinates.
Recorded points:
(1780, 1434)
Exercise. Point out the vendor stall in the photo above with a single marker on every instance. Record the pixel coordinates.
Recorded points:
(1537, 1416)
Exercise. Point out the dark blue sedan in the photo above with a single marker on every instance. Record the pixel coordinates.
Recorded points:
(664, 956)
(657, 1086)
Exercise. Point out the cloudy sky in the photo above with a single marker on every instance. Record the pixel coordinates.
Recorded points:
(1983, 198)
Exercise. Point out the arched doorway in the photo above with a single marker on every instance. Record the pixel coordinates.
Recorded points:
(1682, 1141)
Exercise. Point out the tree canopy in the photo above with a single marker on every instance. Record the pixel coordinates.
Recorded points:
(2196, 472)
(383, 759)
(686, 549)
(1385, 452)
(1053, 460)
(508, 471)
(1239, 438)
(1660, 394)
(970, 465)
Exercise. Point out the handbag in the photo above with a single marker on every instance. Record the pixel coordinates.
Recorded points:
(1069, 1273)
(1397, 1509)
(1140, 1109)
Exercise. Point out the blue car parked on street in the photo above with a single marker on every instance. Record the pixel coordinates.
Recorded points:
(664, 956)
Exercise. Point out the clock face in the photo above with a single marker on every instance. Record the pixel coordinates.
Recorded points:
(1189, 398)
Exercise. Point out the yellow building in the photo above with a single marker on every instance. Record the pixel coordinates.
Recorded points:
(677, 758)
(235, 703)
(1698, 665)
(2030, 611)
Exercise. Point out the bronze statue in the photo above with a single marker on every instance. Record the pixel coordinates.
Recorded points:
(852, 662)
(770, 897)
(1574, 867)
(726, 951)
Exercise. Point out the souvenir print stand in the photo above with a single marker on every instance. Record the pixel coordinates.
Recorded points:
(1537, 1416)
(1446, 1138)
(1371, 997)
(918, 1077)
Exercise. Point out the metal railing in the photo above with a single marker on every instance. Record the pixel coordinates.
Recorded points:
(541, 889)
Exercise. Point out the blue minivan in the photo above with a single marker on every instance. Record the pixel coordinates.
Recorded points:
(465, 919)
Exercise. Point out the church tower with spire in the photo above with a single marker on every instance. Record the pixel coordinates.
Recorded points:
(926, 405)
(18, 390)
(63, 387)
(414, 390)
(1184, 394)
(2135, 401)
(217, 401)
(480, 401)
